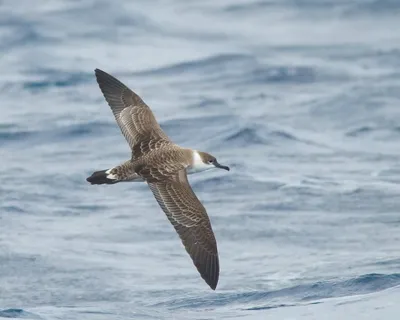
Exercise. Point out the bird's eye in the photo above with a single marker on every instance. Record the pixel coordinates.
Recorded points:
(210, 161)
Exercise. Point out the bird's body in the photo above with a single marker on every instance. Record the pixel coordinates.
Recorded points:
(164, 166)
(167, 159)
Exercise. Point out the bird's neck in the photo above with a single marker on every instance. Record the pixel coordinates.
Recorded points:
(197, 163)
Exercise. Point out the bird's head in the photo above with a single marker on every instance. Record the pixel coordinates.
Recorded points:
(204, 161)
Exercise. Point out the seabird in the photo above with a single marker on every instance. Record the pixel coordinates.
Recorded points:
(164, 166)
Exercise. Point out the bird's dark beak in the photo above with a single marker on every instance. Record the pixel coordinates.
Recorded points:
(217, 165)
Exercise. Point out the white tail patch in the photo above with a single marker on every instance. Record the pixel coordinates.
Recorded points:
(110, 175)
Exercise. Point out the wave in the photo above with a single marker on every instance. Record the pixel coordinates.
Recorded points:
(49, 78)
(339, 7)
(18, 313)
(390, 7)
(292, 296)
(12, 133)
(297, 74)
(245, 136)
(236, 69)
(209, 64)
(366, 130)
(6, 136)
(258, 134)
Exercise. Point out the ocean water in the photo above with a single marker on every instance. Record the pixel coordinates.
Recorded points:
(299, 97)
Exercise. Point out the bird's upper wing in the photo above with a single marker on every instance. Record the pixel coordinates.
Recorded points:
(190, 220)
(134, 117)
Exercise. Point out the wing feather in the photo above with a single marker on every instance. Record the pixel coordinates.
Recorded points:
(135, 119)
(190, 220)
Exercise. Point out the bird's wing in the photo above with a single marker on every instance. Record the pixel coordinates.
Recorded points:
(134, 117)
(190, 220)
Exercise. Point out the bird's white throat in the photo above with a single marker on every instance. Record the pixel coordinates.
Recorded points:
(198, 164)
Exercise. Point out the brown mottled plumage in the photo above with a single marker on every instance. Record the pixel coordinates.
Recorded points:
(164, 166)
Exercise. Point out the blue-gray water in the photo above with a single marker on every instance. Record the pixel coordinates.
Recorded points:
(300, 98)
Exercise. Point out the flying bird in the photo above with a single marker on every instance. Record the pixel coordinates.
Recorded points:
(164, 166)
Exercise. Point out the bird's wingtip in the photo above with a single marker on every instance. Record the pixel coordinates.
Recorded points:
(213, 283)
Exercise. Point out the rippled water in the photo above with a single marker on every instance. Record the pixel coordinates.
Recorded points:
(300, 99)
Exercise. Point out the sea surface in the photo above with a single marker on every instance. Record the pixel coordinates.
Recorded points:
(301, 98)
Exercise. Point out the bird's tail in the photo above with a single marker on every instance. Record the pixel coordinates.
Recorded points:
(102, 177)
